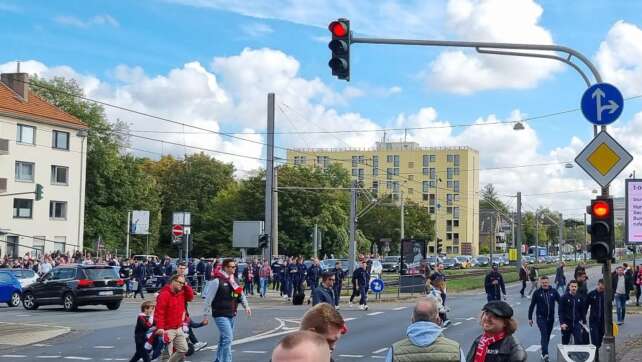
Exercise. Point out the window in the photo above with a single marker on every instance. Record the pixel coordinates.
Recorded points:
(389, 173)
(299, 160)
(449, 158)
(375, 171)
(375, 161)
(39, 245)
(362, 160)
(375, 187)
(433, 158)
(432, 184)
(355, 172)
(449, 225)
(58, 209)
(389, 158)
(449, 199)
(424, 186)
(355, 161)
(456, 160)
(455, 213)
(424, 197)
(449, 185)
(433, 174)
(456, 186)
(455, 249)
(449, 210)
(411, 191)
(59, 175)
(432, 210)
(12, 246)
(425, 171)
(22, 208)
(456, 238)
(449, 236)
(432, 199)
(456, 223)
(456, 197)
(60, 140)
(388, 184)
(59, 243)
(426, 160)
(26, 134)
(411, 164)
(24, 171)
(395, 186)
(411, 177)
(456, 171)
(396, 160)
(64, 273)
(362, 174)
(323, 161)
(449, 172)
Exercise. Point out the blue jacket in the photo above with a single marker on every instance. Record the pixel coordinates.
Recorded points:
(339, 274)
(301, 271)
(595, 302)
(139, 272)
(544, 300)
(291, 272)
(360, 276)
(494, 289)
(560, 278)
(572, 309)
(314, 272)
(423, 334)
(322, 294)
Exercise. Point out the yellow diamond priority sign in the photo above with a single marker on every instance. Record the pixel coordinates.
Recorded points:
(603, 159)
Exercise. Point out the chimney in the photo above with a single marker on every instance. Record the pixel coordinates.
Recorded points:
(18, 82)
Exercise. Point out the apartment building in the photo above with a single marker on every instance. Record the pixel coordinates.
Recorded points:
(444, 179)
(39, 144)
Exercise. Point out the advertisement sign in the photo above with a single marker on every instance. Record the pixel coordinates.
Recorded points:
(140, 222)
(633, 211)
(245, 234)
(412, 251)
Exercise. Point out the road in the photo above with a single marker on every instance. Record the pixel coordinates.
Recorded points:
(98, 334)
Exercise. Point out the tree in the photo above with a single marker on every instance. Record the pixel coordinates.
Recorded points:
(490, 200)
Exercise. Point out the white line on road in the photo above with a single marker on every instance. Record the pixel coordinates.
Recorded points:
(12, 356)
(41, 345)
(351, 355)
(380, 357)
(103, 347)
(380, 350)
(23, 315)
(518, 303)
(457, 323)
(470, 318)
(51, 357)
(255, 352)
(375, 313)
(399, 308)
(349, 319)
(79, 358)
(533, 348)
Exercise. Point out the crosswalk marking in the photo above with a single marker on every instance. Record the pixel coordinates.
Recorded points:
(470, 318)
(380, 350)
(351, 355)
(375, 313)
(457, 323)
(255, 352)
(349, 319)
(399, 308)
(379, 357)
(533, 348)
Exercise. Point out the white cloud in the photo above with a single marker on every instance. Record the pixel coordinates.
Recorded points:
(80, 23)
(510, 21)
(619, 58)
(257, 29)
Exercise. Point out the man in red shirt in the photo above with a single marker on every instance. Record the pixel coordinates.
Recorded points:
(170, 314)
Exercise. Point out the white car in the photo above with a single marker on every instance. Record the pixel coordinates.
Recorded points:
(26, 277)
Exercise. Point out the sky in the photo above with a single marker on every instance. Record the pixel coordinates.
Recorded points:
(211, 63)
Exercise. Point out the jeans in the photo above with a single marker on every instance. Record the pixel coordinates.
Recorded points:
(264, 283)
(337, 293)
(597, 333)
(575, 330)
(521, 291)
(226, 329)
(620, 303)
(545, 329)
(561, 288)
(364, 295)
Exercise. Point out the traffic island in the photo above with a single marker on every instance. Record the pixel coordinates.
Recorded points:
(20, 334)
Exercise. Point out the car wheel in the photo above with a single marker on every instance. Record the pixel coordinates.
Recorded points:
(113, 305)
(69, 302)
(15, 300)
(29, 301)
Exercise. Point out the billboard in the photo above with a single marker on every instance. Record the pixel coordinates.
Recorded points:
(633, 211)
(245, 234)
(140, 222)
(412, 251)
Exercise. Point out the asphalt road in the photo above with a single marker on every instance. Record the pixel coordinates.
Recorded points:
(98, 334)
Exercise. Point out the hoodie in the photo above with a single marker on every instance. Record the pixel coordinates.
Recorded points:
(422, 334)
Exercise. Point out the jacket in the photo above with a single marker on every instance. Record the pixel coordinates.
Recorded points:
(425, 342)
(572, 309)
(322, 294)
(628, 283)
(523, 274)
(532, 274)
(360, 276)
(139, 272)
(314, 272)
(265, 272)
(595, 304)
(339, 274)
(171, 307)
(491, 288)
(507, 350)
(544, 300)
(212, 291)
(560, 278)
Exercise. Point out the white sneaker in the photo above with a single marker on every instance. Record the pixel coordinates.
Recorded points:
(360, 306)
(199, 346)
(365, 307)
(350, 305)
(338, 307)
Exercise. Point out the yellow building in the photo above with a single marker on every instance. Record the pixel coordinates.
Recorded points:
(444, 179)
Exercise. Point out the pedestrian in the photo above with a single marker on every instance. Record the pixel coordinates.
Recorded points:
(256, 269)
(339, 274)
(438, 279)
(301, 346)
(532, 276)
(622, 285)
(360, 277)
(638, 284)
(313, 274)
(324, 293)
(276, 275)
(248, 277)
(560, 278)
(595, 304)
(300, 277)
(580, 268)
(572, 313)
(544, 300)
(434, 293)
(425, 340)
(323, 319)
(582, 281)
(223, 296)
(265, 274)
(523, 277)
(169, 316)
(143, 324)
(139, 276)
(494, 284)
(497, 343)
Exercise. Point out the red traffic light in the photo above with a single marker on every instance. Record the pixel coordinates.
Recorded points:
(338, 29)
(600, 209)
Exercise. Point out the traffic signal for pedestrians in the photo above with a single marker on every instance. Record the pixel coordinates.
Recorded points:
(340, 47)
(39, 192)
(263, 240)
(602, 229)
(439, 245)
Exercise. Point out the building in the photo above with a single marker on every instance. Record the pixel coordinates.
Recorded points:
(39, 144)
(444, 179)
(619, 210)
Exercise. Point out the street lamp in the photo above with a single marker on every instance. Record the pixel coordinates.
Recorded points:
(568, 165)
(519, 126)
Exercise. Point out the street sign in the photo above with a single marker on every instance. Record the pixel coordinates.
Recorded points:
(602, 104)
(603, 159)
(140, 222)
(177, 230)
(633, 211)
(182, 218)
(376, 285)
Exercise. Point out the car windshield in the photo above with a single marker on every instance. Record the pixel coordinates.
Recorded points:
(28, 273)
(449, 261)
(391, 259)
(461, 258)
(482, 258)
(101, 273)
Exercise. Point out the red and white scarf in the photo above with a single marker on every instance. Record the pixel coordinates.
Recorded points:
(484, 342)
(220, 274)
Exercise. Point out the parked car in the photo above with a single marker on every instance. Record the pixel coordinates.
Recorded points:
(481, 261)
(451, 263)
(465, 261)
(500, 260)
(433, 261)
(391, 263)
(10, 289)
(153, 258)
(76, 285)
(26, 277)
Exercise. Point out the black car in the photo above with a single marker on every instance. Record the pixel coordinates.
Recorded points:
(75, 285)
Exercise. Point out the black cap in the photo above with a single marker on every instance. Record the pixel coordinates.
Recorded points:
(499, 308)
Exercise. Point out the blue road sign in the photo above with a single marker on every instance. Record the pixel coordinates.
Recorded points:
(376, 285)
(602, 104)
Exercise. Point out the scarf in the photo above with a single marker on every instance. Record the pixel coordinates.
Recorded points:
(484, 342)
(220, 274)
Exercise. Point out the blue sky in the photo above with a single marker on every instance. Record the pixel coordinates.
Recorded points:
(133, 53)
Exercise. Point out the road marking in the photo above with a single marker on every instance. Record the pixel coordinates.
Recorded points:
(255, 352)
(351, 355)
(79, 358)
(380, 350)
(349, 319)
(103, 347)
(380, 357)
(533, 348)
(23, 315)
(41, 345)
(45, 357)
(470, 318)
(375, 313)
(399, 308)
(457, 323)
(13, 356)
(518, 303)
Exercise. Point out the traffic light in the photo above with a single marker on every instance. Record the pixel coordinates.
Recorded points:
(263, 240)
(439, 245)
(39, 192)
(340, 47)
(602, 229)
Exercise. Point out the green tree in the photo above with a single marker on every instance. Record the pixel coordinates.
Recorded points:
(490, 200)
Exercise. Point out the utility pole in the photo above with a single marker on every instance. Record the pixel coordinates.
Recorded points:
(536, 236)
(127, 230)
(315, 243)
(561, 235)
(403, 226)
(518, 229)
(353, 225)
(274, 245)
(269, 169)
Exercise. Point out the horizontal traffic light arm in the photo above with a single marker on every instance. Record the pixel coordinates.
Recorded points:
(19, 193)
